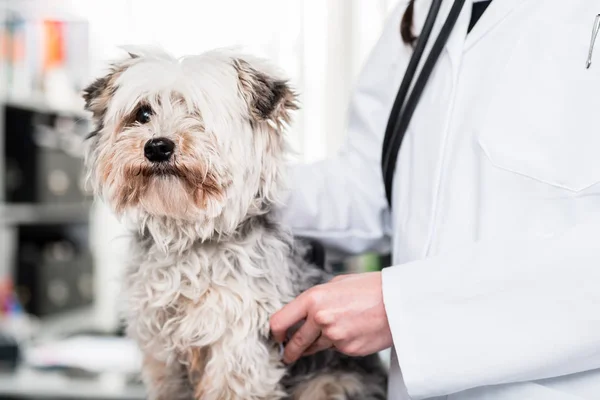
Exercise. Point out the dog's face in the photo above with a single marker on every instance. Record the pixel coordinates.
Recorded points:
(196, 139)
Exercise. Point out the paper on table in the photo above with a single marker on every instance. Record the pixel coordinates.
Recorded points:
(93, 354)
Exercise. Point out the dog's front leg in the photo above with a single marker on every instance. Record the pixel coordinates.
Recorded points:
(165, 382)
(234, 370)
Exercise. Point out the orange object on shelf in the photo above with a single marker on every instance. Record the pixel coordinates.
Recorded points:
(54, 54)
(4, 38)
(18, 47)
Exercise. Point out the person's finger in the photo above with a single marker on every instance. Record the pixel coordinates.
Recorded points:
(291, 314)
(301, 340)
(321, 344)
(340, 277)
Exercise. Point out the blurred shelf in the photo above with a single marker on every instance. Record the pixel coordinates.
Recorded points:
(32, 384)
(41, 105)
(35, 213)
(66, 323)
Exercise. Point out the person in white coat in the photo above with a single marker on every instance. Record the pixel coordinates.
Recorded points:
(494, 291)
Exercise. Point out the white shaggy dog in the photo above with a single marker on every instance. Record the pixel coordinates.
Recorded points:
(192, 152)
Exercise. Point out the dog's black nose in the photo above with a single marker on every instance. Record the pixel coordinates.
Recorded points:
(159, 149)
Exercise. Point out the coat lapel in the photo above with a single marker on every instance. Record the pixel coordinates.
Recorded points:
(454, 46)
(459, 41)
(493, 15)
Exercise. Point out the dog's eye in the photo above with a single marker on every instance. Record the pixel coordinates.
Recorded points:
(143, 114)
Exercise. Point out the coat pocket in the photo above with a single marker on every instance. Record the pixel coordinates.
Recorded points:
(543, 121)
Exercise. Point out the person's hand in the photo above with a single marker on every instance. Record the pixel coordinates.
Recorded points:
(346, 313)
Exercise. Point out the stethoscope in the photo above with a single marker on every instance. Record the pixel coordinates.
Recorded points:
(400, 116)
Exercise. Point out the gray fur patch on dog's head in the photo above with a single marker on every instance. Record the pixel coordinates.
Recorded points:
(99, 92)
(268, 98)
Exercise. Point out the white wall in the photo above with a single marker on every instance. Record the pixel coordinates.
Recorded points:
(321, 44)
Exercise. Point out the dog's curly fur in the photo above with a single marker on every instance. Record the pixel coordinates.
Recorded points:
(210, 262)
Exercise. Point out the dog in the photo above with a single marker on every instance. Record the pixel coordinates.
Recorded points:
(191, 154)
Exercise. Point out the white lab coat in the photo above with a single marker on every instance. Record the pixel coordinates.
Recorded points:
(495, 228)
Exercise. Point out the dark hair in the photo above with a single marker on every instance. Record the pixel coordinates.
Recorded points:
(406, 25)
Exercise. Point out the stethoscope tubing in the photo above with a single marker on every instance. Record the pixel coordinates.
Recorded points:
(397, 127)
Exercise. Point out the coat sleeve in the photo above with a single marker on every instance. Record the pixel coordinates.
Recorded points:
(497, 312)
(341, 201)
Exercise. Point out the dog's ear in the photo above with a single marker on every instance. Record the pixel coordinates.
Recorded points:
(94, 91)
(269, 98)
(97, 94)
